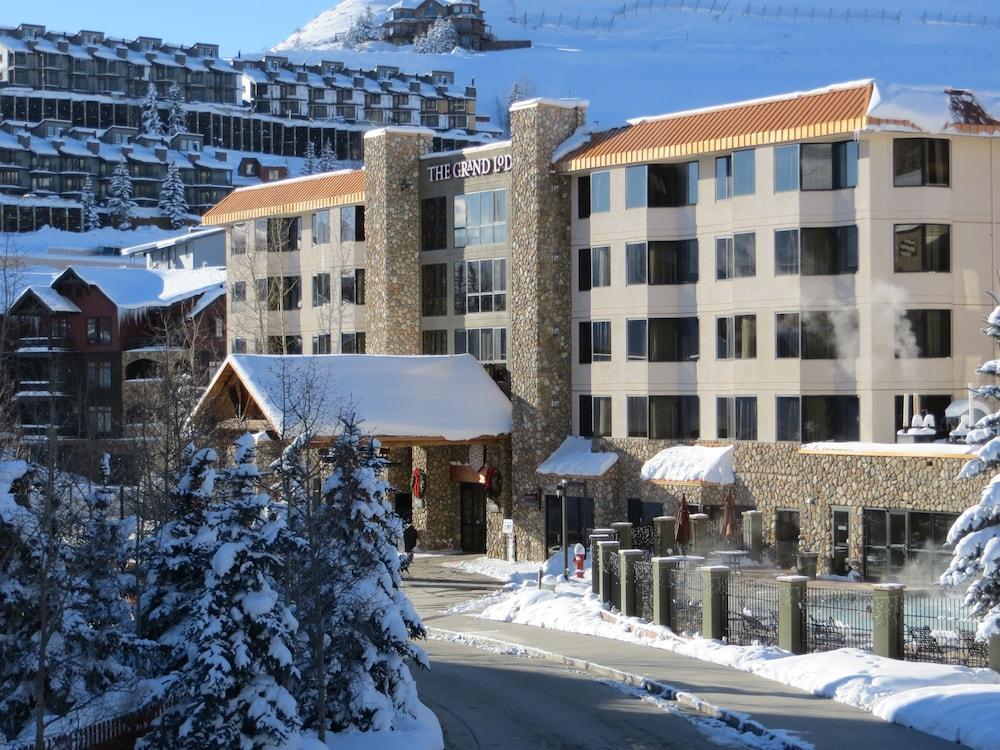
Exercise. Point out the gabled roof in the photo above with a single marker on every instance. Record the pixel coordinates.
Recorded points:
(293, 196)
(134, 290)
(456, 401)
(48, 297)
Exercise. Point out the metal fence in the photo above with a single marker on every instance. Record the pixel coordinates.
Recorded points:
(686, 600)
(838, 618)
(753, 611)
(644, 538)
(940, 629)
(644, 589)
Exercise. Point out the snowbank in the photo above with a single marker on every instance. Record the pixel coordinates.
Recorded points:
(575, 457)
(691, 463)
(420, 733)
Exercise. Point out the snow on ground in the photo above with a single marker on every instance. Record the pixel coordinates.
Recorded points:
(933, 698)
(420, 733)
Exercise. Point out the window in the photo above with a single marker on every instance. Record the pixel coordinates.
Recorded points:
(352, 343)
(485, 344)
(282, 235)
(434, 223)
(923, 334)
(723, 177)
(673, 339)
(435, 342)
(637, 408)
(352, 224)
(239, 239)
(786, 252)
(786, 168)
(788, 424)
(786, 327)
(830, 418)
(59, 328)
(220, 328)
(284, 345)
(281, 292)
(260, 235)
(99, 331)
(600, 192)
(595, 416)
(99, 375)
(673, 417)
(661, 185)
(99, 420)
(829, 250)
(320, 289)
(736, 256)
(481, 218)
(635, 263)
(817, 335)
(321, 228)
(673, 262)
(922, 248)
(920, 161)
(434, 289)
(637, 341)
(829, 166)
(481, 286)
(239, 291)
(600, 266)
(744, 173)
(736, 337)
(352, 287)
(595, 341)
(736, 417)
(321, 344)
(239, 346)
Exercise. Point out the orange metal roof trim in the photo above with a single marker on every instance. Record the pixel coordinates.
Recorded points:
(289, 197)
(811, 115)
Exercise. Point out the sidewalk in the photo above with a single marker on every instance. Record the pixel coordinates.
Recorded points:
(824, 723)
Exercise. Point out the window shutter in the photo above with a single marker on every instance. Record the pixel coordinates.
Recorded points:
(583, 197)
(359, 286)
(585, 342)
(584, 256)
(586, 417)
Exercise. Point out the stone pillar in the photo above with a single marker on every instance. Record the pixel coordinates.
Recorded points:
(627, 585)
(595, 565)
(609, 583)
(753, 534)
(392, 232)
(662, 608)
(665, 527)
(715, 601)
(539, 354)
(439, 519)
(699, 533)
(623, 531)
(994, 646)
(887, 613)
(792, 613)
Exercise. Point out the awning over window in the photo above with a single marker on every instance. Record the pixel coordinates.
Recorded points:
(691, 463)
(575, 458)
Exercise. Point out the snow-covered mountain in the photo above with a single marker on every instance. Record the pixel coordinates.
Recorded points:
(652, 56)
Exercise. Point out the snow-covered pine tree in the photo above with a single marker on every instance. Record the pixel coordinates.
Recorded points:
(173, 203)
(233, 687)
(975, 536)
(362, 29)
(121, 207)
(372, 621)
(151, 123)
(176, 114)
(311, 163)
(88, 202)
(441, 38)
(327, 157)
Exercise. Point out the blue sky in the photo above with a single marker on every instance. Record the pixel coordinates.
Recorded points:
(236, 25)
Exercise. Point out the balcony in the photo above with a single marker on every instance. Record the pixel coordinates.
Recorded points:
(43, 345)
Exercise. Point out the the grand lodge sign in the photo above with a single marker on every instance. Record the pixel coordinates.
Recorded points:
(470, 168)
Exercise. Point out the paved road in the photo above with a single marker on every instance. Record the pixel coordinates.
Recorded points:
(488, 701)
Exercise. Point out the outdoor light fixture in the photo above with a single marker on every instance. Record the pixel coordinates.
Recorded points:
(405, 184)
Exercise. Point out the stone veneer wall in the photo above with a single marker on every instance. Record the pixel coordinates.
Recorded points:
(392, 231)
(496, 541)
(539, 293)
(439, 522)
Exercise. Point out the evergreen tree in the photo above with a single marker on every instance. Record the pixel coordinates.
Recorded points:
(976, 534)
(176, 114)
(311, 163)
(371, 621)
(441, 38)
(233, 687)
(327, 157)
(362, 29)
(121, 206)
(151, 124)
(173, 203)
(88, 202)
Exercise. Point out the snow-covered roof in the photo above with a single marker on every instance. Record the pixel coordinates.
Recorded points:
(448, 398)
(178, 241)
(691, 463)
(575, 457)
(50, 298)
(137, 289)
(206, 300)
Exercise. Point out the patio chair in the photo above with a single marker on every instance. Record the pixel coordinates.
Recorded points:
(826, 635)
(974, 649)
(926, 645)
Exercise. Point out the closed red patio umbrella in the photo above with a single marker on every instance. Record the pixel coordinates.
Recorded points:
(730, 528)
(683, 531)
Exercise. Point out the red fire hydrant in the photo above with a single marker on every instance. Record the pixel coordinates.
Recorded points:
(579, 557)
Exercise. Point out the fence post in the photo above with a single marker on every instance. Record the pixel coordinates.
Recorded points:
(753, 533)
(607, 549)
(887, 615)
(627, 593)
(995, 653)
(595, 566)
(665, 527)
(662, 609)
(715, 601)
(792, 613)
(624, 531)
(699, 533)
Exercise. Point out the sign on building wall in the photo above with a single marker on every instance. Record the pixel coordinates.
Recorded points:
(470, 168)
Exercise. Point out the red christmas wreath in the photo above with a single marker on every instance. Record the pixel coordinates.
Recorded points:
(418, 483)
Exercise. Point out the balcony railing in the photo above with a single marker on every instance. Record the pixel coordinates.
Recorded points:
(43, 345)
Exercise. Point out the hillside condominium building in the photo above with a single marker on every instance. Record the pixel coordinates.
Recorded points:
(776, 274)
